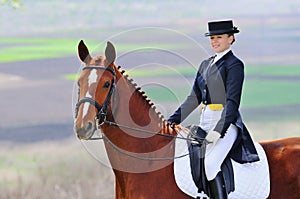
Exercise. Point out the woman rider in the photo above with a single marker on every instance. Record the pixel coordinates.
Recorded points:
(218, 88)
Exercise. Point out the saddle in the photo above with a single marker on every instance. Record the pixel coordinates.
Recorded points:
(197, 155)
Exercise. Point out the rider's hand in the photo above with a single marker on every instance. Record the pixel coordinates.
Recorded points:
(213, 137)
(170, 124)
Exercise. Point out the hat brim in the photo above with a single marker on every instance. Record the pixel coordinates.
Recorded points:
(220, 32)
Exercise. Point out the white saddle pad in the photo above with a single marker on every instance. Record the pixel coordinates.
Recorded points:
(252, 180)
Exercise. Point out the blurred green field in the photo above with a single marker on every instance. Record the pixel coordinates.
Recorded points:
(265, 86)
(22, 49)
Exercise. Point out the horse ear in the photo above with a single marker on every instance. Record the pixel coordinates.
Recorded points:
(84, 53)
(110, 53)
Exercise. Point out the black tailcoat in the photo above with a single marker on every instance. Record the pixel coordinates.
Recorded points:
(221, 83)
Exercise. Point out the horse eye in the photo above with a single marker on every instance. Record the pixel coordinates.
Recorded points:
(106, 84)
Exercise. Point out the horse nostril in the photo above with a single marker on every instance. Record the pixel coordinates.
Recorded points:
(89, 126)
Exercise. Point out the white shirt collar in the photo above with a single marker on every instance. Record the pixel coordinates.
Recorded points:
(221, 54)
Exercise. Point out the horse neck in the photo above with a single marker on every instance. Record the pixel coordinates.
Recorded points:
(133, 108)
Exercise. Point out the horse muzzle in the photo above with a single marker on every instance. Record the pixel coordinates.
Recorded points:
(85, 131)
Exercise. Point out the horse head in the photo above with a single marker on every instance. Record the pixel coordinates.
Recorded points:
(96, 85)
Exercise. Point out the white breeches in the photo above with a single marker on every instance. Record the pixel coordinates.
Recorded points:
(216, 154)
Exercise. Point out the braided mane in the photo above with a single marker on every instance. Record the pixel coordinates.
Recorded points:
(141, 93)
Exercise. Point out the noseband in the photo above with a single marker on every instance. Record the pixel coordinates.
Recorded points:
(102, 110)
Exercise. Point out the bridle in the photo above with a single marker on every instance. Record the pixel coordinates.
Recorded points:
(100, 119)
(102, 110)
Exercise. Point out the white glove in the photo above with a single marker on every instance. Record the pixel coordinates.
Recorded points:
(213, 137)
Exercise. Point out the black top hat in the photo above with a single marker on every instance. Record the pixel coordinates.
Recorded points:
(221, 27)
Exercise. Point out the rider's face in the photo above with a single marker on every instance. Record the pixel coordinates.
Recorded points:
(219, 43)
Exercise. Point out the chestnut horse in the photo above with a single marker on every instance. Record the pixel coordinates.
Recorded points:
(140, 143)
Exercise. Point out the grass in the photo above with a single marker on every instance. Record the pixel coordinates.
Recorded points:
(23, 49)
(265, 86)
(32, 49)
(163, 95)
(50, 170)
(261, 93)
(290, 71)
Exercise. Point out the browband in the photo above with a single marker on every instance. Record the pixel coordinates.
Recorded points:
(100, 67)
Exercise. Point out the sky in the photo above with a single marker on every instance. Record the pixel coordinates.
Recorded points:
(50, 17)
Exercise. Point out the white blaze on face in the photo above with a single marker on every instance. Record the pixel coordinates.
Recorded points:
(92, 79)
